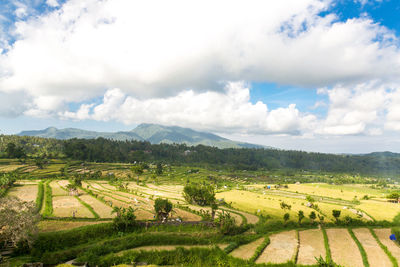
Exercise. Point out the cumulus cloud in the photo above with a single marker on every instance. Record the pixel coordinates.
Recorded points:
(173, 61)
(227, 111)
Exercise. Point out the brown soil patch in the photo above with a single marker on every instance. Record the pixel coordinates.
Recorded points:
(63, 206)
(311, 246)
(281, 249)
(376, 256)
(383, 235)
(99, 207)
(343, 248)
(51, 226)
(247, 251)
(24, 192)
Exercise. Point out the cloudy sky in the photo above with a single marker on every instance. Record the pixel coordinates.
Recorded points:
(315, 75)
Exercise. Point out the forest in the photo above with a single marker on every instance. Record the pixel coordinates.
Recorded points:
(106, 150)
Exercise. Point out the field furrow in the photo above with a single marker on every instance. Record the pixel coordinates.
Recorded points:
(343, 249)
(281, 249)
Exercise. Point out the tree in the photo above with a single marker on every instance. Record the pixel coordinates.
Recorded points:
(336, 214)
(18, 221)
(321, 218)
(312, 216)
(286, 217)
(163, 207)
(226, 223)
(300, 214)
(137, 169)
(14, 151)
(125, 218)
(395, 196)
(285, 206)
(310, 199)
(159, 169)
(214, 208)
(202, 195)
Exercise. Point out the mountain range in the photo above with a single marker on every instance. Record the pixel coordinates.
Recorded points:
(154, 133)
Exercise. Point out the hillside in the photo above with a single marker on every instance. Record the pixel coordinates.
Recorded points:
(154, 133)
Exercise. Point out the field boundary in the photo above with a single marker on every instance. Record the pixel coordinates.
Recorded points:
(384, 248)
(260, 249)
(48, 207)
(327, 247)
(96, 216)
(360, 248)
(40, 196)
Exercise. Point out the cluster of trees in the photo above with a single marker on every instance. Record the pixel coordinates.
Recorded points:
(6, 181)
(200, 194)
(105, 150)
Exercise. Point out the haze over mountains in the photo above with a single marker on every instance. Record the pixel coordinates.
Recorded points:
(154, 133)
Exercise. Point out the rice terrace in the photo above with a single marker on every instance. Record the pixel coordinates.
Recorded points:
(105, 214)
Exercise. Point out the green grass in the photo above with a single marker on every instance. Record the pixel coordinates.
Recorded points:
(385, 249)
(326, 243)
(48, 200)
(40, 196)
(360, 247)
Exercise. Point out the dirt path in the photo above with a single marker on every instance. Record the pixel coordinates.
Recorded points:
(311, 246)
(343, 248)
(383, 235)
(376, 256)
(246, 251)
(281, 249)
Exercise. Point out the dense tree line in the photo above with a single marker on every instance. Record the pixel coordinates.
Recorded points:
(105, 150)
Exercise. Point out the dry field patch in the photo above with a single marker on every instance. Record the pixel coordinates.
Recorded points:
(247, 251)
(380, 210)
(383, 235)
(24, 192)
(311, 246)
(27, 182)
(99, 207)
(376, 256)
(9, 168)
(57, 190)
(343, 248)
(281, 249)
(64, 206)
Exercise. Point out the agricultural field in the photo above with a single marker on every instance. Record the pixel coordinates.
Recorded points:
(266, 238)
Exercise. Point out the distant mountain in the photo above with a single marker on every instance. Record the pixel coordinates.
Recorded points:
(154, 133)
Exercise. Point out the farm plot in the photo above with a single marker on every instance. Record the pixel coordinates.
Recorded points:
(281, 249)
(99, 207)
(346, 192)
(247, 251)
(238, 218)
(311, 246)
(380, 210)
(343, 248)
(24, 192)
(65, 206)
(254, 202)
(170, 247)
(376, 256)
(383, 235)
(27, 182)
(57, 190)
(155, 192)
(344, 211)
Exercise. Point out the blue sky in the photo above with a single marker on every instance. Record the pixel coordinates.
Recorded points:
(314, 75)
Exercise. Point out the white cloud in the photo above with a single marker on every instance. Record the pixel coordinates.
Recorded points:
(52, 3)
(86, 46)
(228, 111)
(172, 62)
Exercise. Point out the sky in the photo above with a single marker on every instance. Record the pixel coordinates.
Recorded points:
(313, 75)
